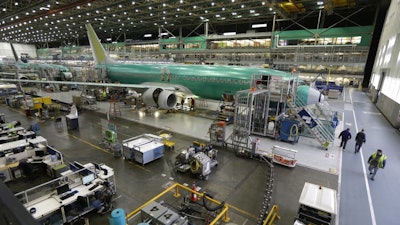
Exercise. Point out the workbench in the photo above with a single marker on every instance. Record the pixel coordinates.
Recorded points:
(9, 147)
(7, 131)
(45, 206)
(50, 207)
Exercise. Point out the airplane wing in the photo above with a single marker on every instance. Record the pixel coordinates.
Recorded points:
(155, 95)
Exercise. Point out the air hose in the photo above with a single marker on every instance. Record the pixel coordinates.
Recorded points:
(210, 208)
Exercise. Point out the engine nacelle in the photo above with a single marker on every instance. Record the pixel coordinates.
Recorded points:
(160, 98)
(309, 95)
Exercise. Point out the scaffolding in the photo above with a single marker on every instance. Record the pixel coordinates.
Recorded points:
(217, 133)
(257, 110)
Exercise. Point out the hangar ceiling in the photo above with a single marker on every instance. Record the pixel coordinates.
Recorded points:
(58, 23)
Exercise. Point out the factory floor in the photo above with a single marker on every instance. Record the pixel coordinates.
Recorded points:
(239, 182)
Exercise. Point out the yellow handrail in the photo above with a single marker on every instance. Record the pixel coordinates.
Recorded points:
(272, 215)
(177, 186)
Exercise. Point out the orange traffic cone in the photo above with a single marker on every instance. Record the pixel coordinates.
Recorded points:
(193, 196)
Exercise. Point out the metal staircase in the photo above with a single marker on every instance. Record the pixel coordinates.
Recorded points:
(321, 130)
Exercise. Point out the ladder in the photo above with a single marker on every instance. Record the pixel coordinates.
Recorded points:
(114, 108)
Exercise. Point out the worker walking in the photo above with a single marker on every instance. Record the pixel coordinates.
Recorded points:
(345, 135)
(360, 139)
(182, 103)
(376, 160)
(192, 104)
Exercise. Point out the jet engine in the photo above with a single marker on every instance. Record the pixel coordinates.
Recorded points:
(309, 95)
(160, 98)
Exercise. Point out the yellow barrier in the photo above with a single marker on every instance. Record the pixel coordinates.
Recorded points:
(199, 144)
(37, 102)
(272, 215)
(223, 214)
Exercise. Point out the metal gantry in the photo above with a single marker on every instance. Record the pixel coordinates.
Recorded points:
(259, 111)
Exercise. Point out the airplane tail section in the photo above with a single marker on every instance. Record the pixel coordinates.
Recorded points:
(14, 53)
(99, 53)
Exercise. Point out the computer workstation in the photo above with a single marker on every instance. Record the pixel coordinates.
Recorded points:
(87, 180)
(104, 172)
(17, 133)
(39, 154)
(4, 130)
(26, 134)
(8, 138)
(12, 153)
(72, 196)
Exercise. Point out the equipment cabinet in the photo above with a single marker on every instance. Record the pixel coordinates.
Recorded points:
(318, 205)
(143, 148)
(289, 131)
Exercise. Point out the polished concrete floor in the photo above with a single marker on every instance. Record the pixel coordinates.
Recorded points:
(237, 181)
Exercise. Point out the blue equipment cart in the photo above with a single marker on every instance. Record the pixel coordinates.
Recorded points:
(289, 131)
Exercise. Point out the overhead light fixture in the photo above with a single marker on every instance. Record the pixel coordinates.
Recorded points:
(164, 34)
(229, 33)
(44, 8)
(108, 39)
(148, 35)
(259, 25)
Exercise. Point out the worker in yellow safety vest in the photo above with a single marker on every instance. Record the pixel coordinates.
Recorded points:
(376, 160)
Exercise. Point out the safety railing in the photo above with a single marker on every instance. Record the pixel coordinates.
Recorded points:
(175, 188)
(272, 216)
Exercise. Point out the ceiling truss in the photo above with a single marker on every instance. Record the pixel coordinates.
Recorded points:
(62, 22)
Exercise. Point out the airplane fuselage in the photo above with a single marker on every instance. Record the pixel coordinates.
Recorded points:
(209, 82)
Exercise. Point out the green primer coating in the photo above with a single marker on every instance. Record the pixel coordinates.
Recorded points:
(205, 81)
